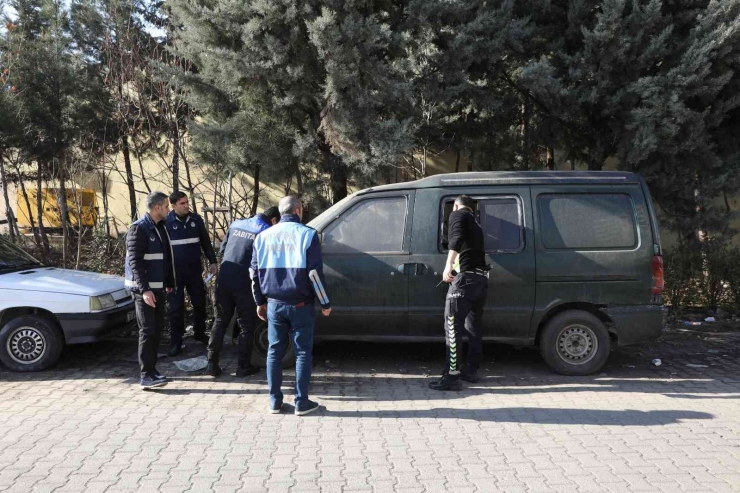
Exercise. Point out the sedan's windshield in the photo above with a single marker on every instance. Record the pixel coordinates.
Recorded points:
(13, 258)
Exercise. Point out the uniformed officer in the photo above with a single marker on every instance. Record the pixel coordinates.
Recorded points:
(188, 236)
(149, 273)
(234, 291)
(288, 274)
(467, 271)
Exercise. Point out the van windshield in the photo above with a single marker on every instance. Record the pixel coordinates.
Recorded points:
(13, 258)
(330, 212)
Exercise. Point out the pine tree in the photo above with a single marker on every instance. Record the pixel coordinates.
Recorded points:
(651, 83)
(112, 36)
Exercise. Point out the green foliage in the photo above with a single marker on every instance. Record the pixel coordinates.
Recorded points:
(295, 91)
(702, 275)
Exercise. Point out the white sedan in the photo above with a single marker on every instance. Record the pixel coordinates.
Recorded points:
(44, 308)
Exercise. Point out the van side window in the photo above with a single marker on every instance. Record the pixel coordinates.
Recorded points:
(372, 226)
(501, 223)
(587, 221)
(444, 227)
(500, 218)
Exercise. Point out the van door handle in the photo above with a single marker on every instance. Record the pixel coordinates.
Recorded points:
(413, 268)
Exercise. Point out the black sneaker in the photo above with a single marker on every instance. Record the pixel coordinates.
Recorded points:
(276, 408)
(447, 382)
(213, 369)
(245, 371)
(200, 338)
(174, 351)
(470, 376)
(306, 408)
(150, 382)
(159, 375)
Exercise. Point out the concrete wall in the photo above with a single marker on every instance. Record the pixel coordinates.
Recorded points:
(158, 177)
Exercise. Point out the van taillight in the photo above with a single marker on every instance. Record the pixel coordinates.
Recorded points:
(658, 275)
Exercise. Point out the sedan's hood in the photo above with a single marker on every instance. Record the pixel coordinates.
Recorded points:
(52, 280)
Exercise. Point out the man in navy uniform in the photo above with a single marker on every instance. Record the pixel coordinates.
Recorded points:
(288, 275)
(234, 291)
(189, 236)
(149, 273)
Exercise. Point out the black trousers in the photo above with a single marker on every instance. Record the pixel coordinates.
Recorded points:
(227, 302)
(466, 298)
(151, 322)
(193, 282)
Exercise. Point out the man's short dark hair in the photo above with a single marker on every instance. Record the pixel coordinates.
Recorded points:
(154, 199)
(465, 201)
(272, 213)
(176, 196)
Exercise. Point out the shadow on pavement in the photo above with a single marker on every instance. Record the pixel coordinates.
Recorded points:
(360, 371)
(534, 415)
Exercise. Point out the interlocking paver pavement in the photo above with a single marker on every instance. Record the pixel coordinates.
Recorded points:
(86, 427)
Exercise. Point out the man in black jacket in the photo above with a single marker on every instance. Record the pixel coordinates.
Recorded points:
(150, 273)
(467, 271)
(189, 240)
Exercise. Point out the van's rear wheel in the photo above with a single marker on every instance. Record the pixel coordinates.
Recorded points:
(575, 343)
(30, 343)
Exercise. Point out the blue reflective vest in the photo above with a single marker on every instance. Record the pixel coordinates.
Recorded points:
(236, 252)
(154, 256)
(287, 265)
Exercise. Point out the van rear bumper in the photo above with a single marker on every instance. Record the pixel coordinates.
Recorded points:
(637, 323)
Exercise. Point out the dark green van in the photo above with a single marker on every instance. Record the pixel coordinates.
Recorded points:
(576, 256)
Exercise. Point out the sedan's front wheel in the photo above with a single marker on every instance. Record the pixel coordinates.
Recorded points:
(30, 343)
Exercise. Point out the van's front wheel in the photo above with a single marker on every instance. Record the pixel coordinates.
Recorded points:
(575, 343)
(261, 345)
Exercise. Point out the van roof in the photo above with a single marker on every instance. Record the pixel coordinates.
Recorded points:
(512, 178)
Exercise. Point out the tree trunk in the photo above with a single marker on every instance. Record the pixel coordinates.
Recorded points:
(231, 190)
(213, 224)
(176, 160)
(525, 136)
(299, 181)
(457, 161)
(79, 247)
(424, 164)
(40, 214)
(550, 159)
(8, 210)
(256, 197)
(338, 181)
(129, 178)
(471, 158)
(190, 184)
(80, 229)
(141, 165)
(724, 194)
(64, 213)
(36, 236)
(104, 191)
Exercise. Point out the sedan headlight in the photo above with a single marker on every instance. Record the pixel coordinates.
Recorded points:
(104, 302)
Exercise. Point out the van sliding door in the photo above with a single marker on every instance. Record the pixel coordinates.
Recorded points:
(504, 213)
